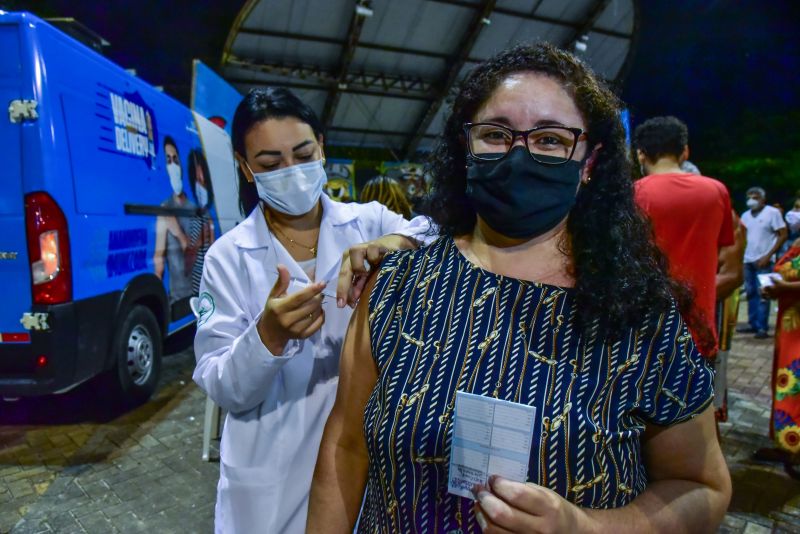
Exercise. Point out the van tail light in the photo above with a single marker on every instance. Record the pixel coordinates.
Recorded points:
(48, 250)
(49, 264)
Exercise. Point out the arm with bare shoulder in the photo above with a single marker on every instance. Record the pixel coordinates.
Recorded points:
(341, 472)
(730, 273)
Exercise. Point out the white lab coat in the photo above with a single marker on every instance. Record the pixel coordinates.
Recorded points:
(277, 406)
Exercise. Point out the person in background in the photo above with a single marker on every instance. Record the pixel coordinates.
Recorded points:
(766, 232)
(201, 231)
(792, 218)
(788, 242)
(691, 217)
(729, 279)
(688, 166)
(388, 192)
(785, 417)
(545, 291)
(270, 326)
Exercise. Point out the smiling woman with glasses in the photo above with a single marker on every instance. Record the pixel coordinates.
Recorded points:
(545, 291)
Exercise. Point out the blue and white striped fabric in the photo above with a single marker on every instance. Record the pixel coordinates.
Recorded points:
(440, 324)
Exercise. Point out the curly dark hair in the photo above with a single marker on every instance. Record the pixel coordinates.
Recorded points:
(661, 136)
(620, 274)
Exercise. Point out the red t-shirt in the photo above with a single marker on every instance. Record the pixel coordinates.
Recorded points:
(692, 219)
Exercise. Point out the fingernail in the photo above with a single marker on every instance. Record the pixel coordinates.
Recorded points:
(481, 520)
(340, 302)
(488, 502)
(475, 490)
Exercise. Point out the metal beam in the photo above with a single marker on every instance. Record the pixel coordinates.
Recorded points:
(594, 12)
(313, 87)
(294, 36)
(353, 35)
(369, 131)
(392, 85)
(479, 21)
(340, 42)
(531, 16)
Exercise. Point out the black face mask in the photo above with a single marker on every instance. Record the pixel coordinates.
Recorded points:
(519, 197)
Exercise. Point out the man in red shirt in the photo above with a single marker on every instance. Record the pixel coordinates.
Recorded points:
(691, 216)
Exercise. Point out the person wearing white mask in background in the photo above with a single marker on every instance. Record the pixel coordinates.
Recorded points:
(792, 219)
(201, 232)
(172, 231)
(766, 232)
(270, 324)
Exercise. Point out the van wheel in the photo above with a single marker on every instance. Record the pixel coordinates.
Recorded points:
(138, 348)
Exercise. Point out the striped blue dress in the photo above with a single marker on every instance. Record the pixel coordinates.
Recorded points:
(439, 325)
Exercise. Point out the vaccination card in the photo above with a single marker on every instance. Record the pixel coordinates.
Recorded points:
(490, 437)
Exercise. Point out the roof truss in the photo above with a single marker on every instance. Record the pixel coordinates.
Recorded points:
(455, 64)
(594, 13)
(351, 43)
(382, 84)
(532, 16)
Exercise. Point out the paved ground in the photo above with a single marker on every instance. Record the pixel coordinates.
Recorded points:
(69, 466)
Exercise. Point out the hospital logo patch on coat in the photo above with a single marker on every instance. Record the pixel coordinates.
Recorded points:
(205, 308)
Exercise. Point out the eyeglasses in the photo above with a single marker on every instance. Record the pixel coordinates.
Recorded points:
(549, 145)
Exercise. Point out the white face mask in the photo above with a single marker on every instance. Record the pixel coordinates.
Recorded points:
(202, 195)
(174, 171)
(292, 190)
(752, 203)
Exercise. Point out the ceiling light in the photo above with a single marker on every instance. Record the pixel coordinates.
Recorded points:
(363, 11)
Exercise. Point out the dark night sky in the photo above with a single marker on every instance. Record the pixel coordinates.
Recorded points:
(716, 65)
(728, 68)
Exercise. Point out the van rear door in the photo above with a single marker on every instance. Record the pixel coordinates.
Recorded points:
(15, 275)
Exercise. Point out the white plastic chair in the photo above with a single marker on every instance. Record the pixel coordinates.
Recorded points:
(212, 417)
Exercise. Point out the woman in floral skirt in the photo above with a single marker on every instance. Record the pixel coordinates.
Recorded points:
(785, 422)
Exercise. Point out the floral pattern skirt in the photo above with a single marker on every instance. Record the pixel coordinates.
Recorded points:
(786, 378)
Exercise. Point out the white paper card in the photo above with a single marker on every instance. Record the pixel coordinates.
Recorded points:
(490, 437)
(766, 279)
(296, 285)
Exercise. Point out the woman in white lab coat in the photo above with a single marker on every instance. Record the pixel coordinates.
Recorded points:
(270, 329)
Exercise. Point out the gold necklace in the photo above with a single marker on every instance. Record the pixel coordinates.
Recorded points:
(312, 250)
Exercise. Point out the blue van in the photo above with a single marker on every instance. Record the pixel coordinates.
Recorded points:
(106, 211)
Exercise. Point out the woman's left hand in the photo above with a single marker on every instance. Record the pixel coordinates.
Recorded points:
(507, 506)
(354, 272)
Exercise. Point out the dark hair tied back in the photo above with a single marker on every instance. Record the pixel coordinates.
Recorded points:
(259, 105)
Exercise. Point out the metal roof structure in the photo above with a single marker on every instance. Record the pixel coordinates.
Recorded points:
(379, 72)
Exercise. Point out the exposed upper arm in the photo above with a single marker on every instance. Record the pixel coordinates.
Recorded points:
(686, 451)
(358, 375)
(161, 235)
(730, 266)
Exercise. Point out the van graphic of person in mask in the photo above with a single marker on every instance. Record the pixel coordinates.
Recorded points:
(201, 232)
(172, 231)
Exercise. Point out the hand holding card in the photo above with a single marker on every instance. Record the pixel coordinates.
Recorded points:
(490, 437)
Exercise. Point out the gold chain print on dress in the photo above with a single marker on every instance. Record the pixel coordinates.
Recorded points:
(439, 324)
